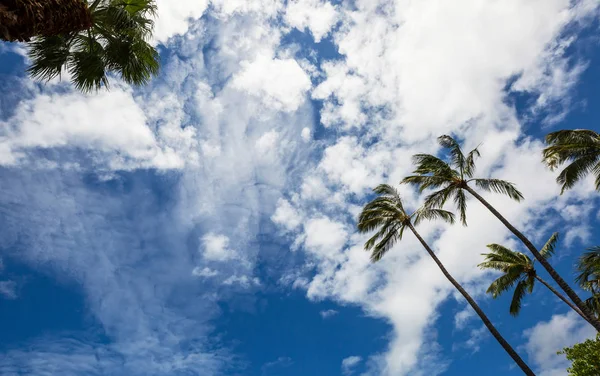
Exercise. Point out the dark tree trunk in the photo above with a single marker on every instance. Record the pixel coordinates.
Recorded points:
(21, 20)
(561, 297)
(505, 345)
(557, 278)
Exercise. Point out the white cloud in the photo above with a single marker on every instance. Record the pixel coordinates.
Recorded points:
(286, 215)
(109, 123)
(328, 313)
(8, 289)
(324, 237)
(317, 16)
(216, 248)
(280, 83)
(349, 363)
(205, 272)
(174, 17)
(546, 338)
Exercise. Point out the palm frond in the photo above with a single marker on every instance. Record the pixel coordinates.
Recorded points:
(429, 164)
(577, 170)
(428, 214)
(457, 156)
(499, 186)
(386, 214)
(439, 198)
(460, 199)
(505, 282)
(580, 147)
(470, 163)
(424, 182)
(588, 267)
(48, 55)
(520, 291)
(500, 253)
(548, 249)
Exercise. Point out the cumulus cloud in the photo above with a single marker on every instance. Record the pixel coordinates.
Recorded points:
(110, 124)
(546, 338)
(328, 313)
(349, 363)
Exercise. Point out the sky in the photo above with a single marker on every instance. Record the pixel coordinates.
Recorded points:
(205, 224)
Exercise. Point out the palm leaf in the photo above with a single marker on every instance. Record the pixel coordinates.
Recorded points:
(460, 199)
(427, 214)
(456, 154)
(499, 186)
(520, 291)
(470, 163)
(548, 249)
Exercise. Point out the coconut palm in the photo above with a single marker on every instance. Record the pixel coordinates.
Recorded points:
(588, 277)
(454, 178)
(116, 41)
(20, 20)
(519, 271)
(387, 215)
(580, 148)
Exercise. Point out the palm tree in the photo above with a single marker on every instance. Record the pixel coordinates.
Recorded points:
(588, 277)
(387, 215)
(455, 178)
(117, 41)
(519, 271)
(20, 20)
(580, 148)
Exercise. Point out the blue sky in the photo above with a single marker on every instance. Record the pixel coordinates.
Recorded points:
(205, 224)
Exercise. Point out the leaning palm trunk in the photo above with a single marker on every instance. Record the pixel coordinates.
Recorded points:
(583, 308)
(561, 297)
(505, 345)
(20, 20)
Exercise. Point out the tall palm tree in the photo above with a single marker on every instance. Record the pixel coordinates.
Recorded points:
(588, 277)
(519, 271)
(116, 41)
(20, 20)
(456, 177)
(387, 215)
(578, 147)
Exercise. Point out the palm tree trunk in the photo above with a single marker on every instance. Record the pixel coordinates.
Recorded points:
(559, 281)
(20, 20)
(505, 345)
(561, 297)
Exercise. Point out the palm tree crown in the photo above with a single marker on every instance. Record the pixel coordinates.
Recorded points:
(453, 177)
(517, 268)
(588, 277)
(580, 148)
(117, 41)
(386, 214)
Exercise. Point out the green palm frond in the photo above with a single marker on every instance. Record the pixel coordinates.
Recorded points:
(428, 214)
(548, 249)
(500, 253)
(470, 163)
(522, 288)
(460, 199)
(578, 147)
(429, 164)
(426, 181)
(499, 186)
(588, 267)
(456, 154)
(505, 282)
(577, 170)
(439, 198)
(48, 55)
